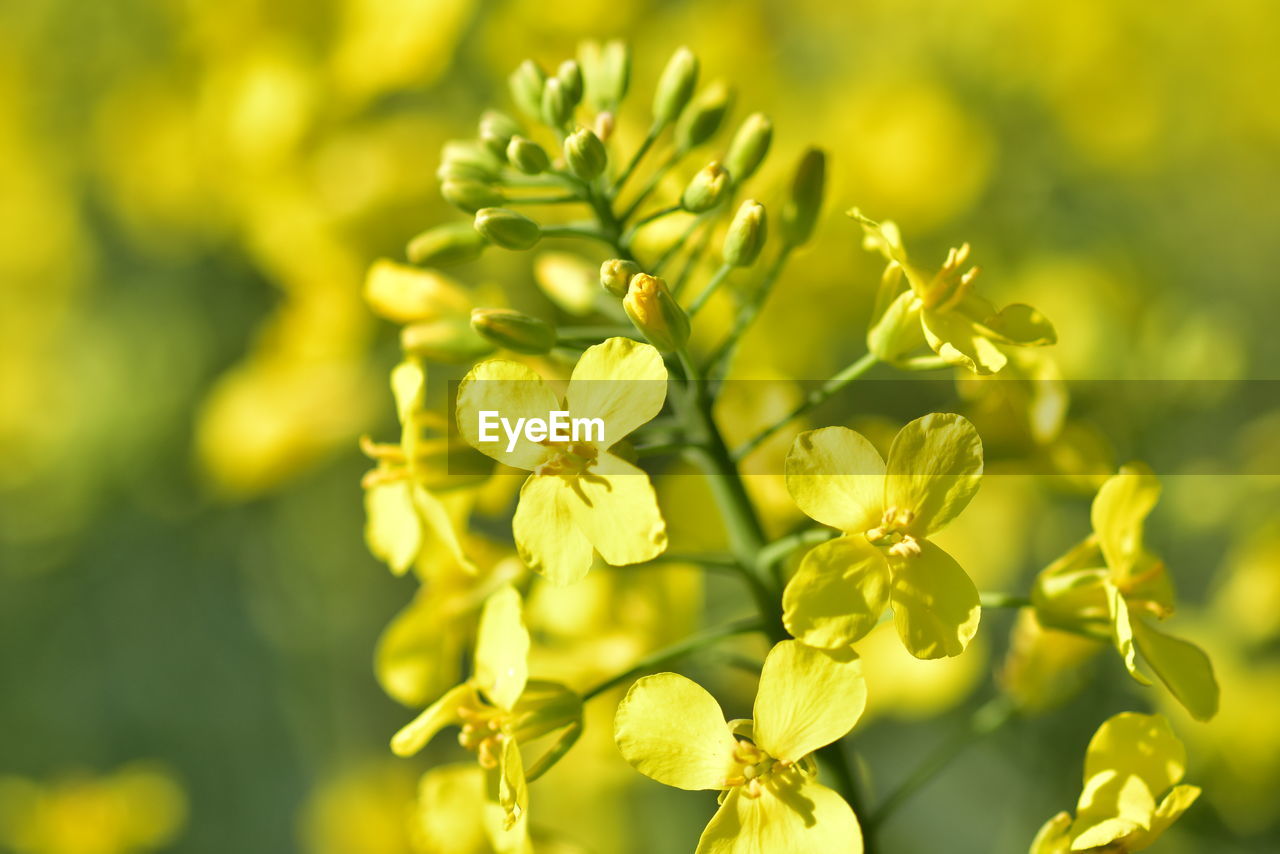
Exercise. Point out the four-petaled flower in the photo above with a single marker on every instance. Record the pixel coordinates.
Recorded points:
(580, 496)
(887, 512)
(1075, 592)
(669, 728)
(1131, 761)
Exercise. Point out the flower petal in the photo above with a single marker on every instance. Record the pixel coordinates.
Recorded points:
(502, 648)
(545, 532)
(417, 656)
(836, 477)
(961, 342)
(393, 530)
(1112, 806)
(507, 802)
(1121, 506)
(934, 469)
(671, 730)
(512, 391)
(414, 735)
(807, 699)
(615, 507)
(838, 593)
(1178, 801)
(621, 381)
(1122, 632)
(803, 819)
(935, 604)
(1053, 837)
(1182, 666)
(449, 809)
(1141, 745)
(1021, 325)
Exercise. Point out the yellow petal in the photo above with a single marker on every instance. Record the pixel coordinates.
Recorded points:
(961, 342)
(506, 786)
(934, 469)
(440, 714)
(502, 648)
(1122, 632)
(1119, 510)
(439, 526)
(807, 699)
(837, 478)
(806, 818)
(1178, 801)
(621, 381)
(417, 656)
(1022, 325)
(1053, 837)
(545, 532)
(393, 530)
(1140, 745)
(670, 729)
(614, 505)
(1182, 666)
(512, 391)
(1112, 806)
(450, 805)
(935, 604)
(838, 593)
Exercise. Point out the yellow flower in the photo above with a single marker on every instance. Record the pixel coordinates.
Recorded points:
(498, 709)
(887, 511)
(1131, 762)
(1077, 593)
(670, 729)
(580, 496)
(942, 311)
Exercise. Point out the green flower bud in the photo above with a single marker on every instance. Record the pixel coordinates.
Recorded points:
(557, 107)
(496, 130)
(749, 147)
(655, 312)
(570, 77)
(507, 229)
(746, 235)
(526, 84)
(675, 87)
(706, 189)
(801, 209)
(468, 159)
(449, 340)
(702, 118)
(616, 274)
(514, 330)
(470, 196)
(615, 72)
(585, 154)
(444, 245)
(527, 156)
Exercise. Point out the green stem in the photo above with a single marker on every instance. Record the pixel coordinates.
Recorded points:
(578, 232)
(654, 180)
(673, 652)
(675, 247)
(814, 399)
(994, 714)
(717, 279)
(718, 364)
(659, 449)
(1004, 600)
(781, 548)
(543, 200)
(649, 139)
(579, 333)
(648, 218)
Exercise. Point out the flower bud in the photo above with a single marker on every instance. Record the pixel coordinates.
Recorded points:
(507, 229)
(570, 77)
(702, 118)
(585, 154)
(615, 72)
(800, 212)
(706, 189)
(749, 147)
(496, 130)
(527, 156)
(470, 196)
(514, 330)
(526, 84)
(444, 340)
(675, 87)
(604, 125)
(444, 245)
(616, 274)
(557, 108)
(468, 160)
(656, 313)
(404, 294)
(746, 235)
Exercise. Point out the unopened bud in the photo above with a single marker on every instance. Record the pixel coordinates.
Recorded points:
(470, 196)
(514, 331)
(570, 77)
(746, 235)
(404, 294)
(800, 213)
(675, 87)
(604, 125)
(468, 159)
(496, 130)
(526, 84)
(527, 156)
(444, 340)
(445, 245)
(507, 228)
(615, 72)
(655, 312)
(702, 118)
(585, 154)
(749, 147)
(557, 107)
(706, 188)
(616, 274)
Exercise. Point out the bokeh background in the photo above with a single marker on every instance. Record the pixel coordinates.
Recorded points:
(190, 194)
